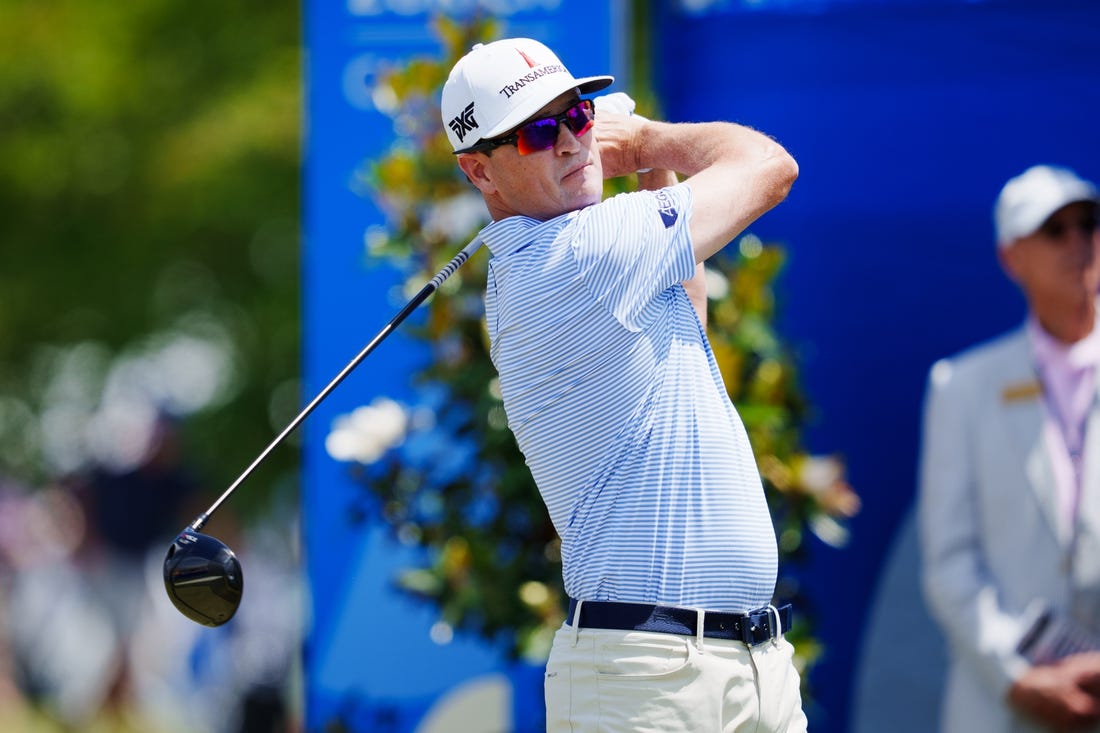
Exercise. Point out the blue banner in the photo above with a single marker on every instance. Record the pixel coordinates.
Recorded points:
(375, 660)
(906, 119)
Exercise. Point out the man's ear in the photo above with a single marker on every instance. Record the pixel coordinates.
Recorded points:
(1009, 256)
(477, 169)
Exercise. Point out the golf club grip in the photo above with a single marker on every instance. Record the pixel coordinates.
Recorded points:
(456, 262)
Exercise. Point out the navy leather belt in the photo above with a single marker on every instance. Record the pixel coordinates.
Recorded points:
(752, 628)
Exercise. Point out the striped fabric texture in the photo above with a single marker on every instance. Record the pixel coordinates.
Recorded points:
(615, 399)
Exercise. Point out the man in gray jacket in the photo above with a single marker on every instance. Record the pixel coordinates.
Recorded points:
(1009, 501)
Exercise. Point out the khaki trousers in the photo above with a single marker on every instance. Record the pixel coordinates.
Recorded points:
(635, 682)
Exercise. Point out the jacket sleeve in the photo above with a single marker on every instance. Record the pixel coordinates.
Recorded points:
(962, 595)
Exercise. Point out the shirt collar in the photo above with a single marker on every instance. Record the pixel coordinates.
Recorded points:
(1052, 353)
(507, 235)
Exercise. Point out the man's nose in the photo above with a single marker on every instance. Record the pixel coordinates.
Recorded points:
(567, 142)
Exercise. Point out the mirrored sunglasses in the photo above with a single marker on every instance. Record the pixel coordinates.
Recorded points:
(1058, 228)
(542, 133)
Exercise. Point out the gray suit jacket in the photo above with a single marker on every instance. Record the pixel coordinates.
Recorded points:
(991, 541)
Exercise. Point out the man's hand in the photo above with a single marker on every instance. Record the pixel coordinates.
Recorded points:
(1064, 695)
(617, 138)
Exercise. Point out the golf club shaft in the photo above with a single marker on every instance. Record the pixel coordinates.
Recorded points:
(412, 305)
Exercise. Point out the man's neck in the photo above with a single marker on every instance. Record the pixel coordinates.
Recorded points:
(1069, 328)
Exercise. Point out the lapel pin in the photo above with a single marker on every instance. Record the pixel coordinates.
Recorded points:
(1021, 391)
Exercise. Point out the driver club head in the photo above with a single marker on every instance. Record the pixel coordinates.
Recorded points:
(203, 578)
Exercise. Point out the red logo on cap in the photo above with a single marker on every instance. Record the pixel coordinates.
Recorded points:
(528, 59)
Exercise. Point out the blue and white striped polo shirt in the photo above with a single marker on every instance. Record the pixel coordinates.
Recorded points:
(615, 399)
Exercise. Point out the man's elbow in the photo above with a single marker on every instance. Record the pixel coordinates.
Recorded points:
(782, 173)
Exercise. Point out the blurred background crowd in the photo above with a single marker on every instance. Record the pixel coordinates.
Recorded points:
(148, 341)
(89, 638)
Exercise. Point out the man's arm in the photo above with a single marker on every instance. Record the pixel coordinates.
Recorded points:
(960, 593)
(957, 586)
(735, 173)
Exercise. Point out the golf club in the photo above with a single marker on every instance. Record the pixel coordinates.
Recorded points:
(202, 575)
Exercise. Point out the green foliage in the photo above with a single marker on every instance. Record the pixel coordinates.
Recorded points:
(150, 192)
(494, 564)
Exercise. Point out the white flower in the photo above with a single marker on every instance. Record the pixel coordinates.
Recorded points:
(455, 216)
(368, 432)
(718, 285)
(819, 474)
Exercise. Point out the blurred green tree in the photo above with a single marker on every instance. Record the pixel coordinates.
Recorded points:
(450, 478)
(150, 190)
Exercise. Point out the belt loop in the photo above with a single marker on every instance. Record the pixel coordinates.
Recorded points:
(577, 621)
(774, 612)
(699, 615)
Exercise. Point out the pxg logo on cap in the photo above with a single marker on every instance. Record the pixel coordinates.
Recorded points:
(498, 85)
(464, 122)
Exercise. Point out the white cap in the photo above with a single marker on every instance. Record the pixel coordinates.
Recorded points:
(1030, 198)
(498, 85)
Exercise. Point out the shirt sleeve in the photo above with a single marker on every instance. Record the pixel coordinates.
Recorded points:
(634, 247)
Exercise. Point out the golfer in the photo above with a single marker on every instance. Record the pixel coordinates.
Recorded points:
(613, 394)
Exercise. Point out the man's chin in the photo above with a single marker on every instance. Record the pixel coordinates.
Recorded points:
(592, 187)
(589, 200)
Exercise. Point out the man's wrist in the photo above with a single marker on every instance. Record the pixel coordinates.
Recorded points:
(653, 178)
(641, 170)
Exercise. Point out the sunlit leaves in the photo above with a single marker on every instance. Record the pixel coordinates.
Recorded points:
(149, 184)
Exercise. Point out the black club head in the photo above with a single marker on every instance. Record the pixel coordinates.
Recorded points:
(203, 578)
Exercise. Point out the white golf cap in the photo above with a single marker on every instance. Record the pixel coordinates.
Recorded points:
(1030, 198)
(498, 85)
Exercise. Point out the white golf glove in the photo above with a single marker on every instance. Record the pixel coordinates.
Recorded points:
(619, 102)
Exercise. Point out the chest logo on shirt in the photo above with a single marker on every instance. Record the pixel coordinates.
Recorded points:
(667, 210)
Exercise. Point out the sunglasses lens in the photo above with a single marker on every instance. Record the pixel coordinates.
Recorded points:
(537, 135)
(579, 118)
(542, 134)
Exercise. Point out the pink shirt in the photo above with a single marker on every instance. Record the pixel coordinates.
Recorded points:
(1068, 374)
